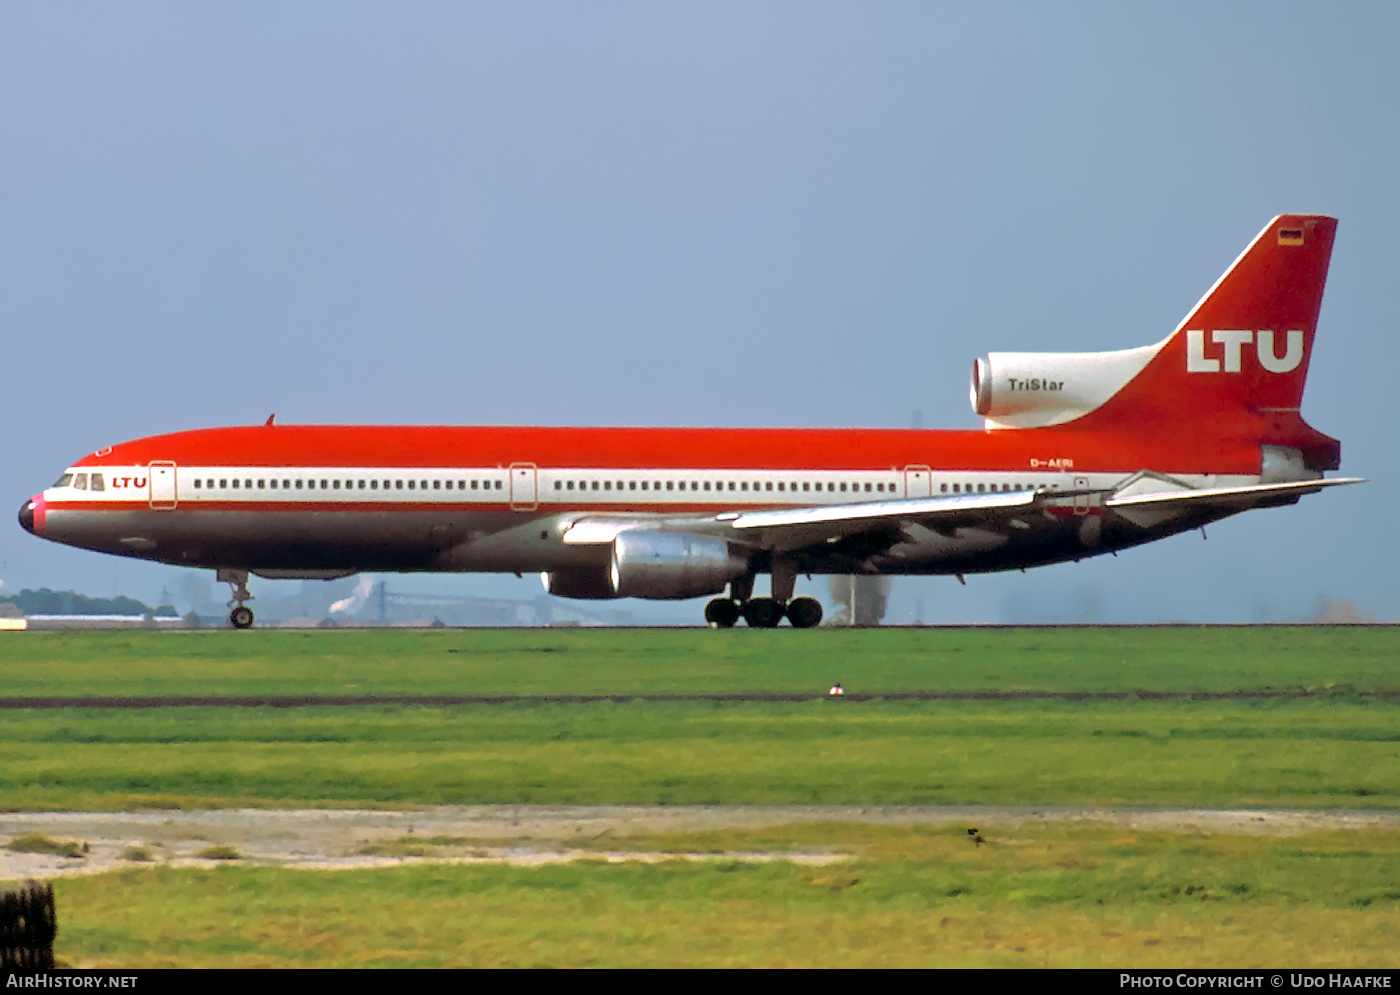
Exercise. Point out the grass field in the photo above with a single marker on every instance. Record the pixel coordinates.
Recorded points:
(1339, 748)
(909, 897)
(638, 661)
(1042, 895)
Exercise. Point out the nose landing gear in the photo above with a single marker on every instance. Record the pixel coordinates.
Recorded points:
(240, 617)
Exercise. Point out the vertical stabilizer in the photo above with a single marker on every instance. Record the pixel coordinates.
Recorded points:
(1239, 361)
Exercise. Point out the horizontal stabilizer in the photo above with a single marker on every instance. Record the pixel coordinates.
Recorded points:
(1228, 496)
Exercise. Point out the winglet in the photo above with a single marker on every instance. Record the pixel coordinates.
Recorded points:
(270, 419)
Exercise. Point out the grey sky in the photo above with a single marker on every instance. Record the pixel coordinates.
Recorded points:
(734, 214)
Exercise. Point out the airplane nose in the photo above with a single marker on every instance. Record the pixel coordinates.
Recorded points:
(26, 516)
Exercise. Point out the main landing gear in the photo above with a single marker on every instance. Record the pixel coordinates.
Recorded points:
(240, 617)
(764, 613)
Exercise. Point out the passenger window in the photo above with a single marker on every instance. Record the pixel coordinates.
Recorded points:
(287, 485)
(981, 488)
(768, 486)
(196, 483)
(298, 485)
(272, 482)
(670, 485)
(595, 485)
(806, 486)
(780, 485)
(336, 484)
(235, 483)
(398, 485)
(263, 483)
(437, 485)
(632, 486)
(867, 488)
(744, 485)
(223, 482)
(412, 484)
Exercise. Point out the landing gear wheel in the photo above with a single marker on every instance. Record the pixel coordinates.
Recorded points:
(721, 613)
(804, 613)
(242, 618)
(763, 613)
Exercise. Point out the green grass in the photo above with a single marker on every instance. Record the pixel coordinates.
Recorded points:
(542, 661)
(38, 843)
(1291, 753)
(1043, 896)
(1339, 749)
(1039, 895)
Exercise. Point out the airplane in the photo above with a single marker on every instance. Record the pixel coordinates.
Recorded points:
(1080, 454)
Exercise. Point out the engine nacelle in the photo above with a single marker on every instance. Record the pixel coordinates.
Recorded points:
(588, 584)
(671, 566)
(1032, 389)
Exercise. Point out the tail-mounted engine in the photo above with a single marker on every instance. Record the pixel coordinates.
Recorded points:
(1034, 389)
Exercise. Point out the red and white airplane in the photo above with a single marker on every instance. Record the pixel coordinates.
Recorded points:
(1081, 454)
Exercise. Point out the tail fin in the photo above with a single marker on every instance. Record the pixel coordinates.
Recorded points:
(1239, 361)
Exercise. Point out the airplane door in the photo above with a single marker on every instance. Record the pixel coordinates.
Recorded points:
(918, 481)
(162, 483)
(524, 495)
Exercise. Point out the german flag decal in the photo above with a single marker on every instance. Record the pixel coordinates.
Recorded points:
(1290, 236)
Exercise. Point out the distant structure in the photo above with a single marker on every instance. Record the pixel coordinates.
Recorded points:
(859, 600)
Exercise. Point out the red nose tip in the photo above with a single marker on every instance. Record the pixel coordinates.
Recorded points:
(31, 515)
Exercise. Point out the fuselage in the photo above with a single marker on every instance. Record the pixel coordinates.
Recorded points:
(307, 500)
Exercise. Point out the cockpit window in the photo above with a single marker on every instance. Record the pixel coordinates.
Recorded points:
(80, 482)
(97, 484)
(64, 480)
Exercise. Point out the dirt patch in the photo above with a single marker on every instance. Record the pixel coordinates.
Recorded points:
(534, 835)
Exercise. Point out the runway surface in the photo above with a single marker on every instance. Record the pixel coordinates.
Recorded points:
(530, 835)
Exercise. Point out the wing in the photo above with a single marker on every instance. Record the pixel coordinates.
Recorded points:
(878, 525)
(783, 530)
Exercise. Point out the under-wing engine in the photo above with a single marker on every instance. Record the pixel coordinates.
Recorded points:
(658, 565)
